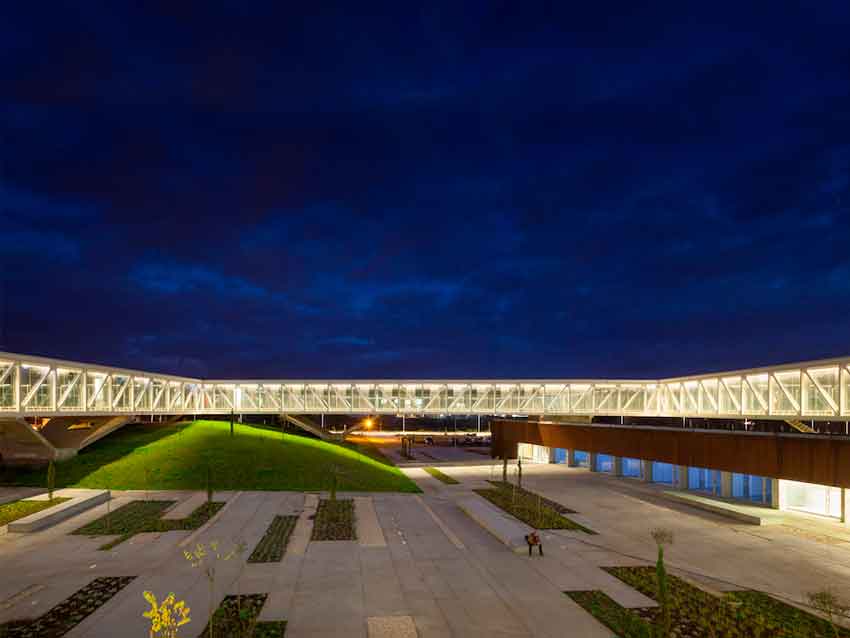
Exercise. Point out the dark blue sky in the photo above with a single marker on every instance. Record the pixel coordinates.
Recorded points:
(475, 189)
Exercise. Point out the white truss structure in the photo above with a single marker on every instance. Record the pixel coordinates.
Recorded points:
(38, 386)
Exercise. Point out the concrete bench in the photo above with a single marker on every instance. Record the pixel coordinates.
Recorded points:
(750, 514)
(504, 527)
(58, 513)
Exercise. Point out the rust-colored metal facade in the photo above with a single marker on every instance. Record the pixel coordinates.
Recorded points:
(810, 458)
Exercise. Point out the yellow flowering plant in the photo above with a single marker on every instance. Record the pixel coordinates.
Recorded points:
(166, 617)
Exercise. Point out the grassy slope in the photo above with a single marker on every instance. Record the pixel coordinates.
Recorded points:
(255, 458)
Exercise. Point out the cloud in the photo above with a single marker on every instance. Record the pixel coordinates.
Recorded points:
(185, 278)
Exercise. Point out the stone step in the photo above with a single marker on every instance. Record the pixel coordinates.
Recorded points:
(369, 533)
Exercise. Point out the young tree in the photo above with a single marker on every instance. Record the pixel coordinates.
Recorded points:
(207, 558)
(662, 537)
(51, 479)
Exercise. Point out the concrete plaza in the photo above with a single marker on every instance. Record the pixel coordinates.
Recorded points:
(420, 565)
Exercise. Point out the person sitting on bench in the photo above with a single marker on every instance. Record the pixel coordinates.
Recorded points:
(534, 539)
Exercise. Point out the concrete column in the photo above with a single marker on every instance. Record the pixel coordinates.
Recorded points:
(571, 458)
(845, 506)
(683, 478)
(775, 496)
(646, 471)
(593, 456)
(726, 484)
(617, 469)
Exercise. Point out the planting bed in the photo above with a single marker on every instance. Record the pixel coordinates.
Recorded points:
(272, 545)
(695, 613)
(529, 508)
(561, 509)
(334, 521)
(441, 476)
(237, 616)
(69, 613)
(19, 509)
(623, 622)
(144, 516)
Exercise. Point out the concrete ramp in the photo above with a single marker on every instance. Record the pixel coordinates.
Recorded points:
(75, 433)
(20, 443)
(308, 425)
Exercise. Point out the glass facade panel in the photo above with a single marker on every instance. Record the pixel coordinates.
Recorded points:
(755, 394)
(633, 398)
(785, 393)
(814, 499)
(31, 376)
(631, 467)
(8, 384)
(533, 453)
(845, 380)
(604, 463)
(581, 398)
(703, 480)
(730, 395)
(749, 487)
(708, 395)
(605, 398)
(820, 391)
(560, 455)
(666, 473)
(69, 389)
(97, 391)
(582, 458)
(121, 392)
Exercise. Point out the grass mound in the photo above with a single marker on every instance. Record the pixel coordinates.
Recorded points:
(176, 457)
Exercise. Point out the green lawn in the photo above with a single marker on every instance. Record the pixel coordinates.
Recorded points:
(177, 457)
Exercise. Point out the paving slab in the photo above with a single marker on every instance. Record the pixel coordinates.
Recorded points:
(369, 533)
(391, 627)
(304, 527)
(185, 507)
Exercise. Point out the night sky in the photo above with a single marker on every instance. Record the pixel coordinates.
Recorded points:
(465, 190)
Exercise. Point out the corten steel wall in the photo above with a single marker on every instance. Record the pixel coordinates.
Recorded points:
(810, 458)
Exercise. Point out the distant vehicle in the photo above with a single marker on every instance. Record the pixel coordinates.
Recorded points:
(429, 440)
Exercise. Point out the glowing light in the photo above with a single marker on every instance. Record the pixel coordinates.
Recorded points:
(368, 423)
